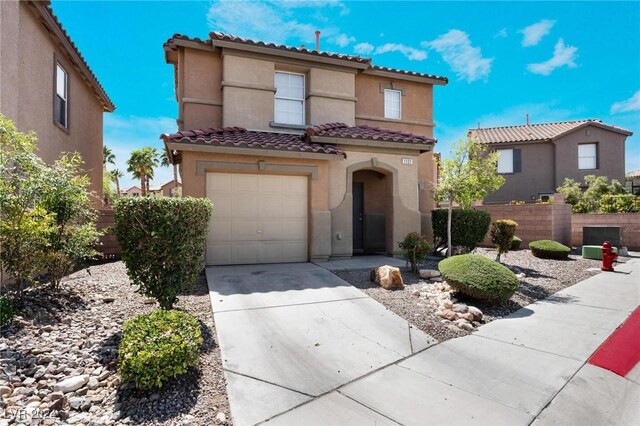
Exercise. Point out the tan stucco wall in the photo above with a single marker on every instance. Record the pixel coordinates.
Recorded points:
(610, 154)
(26, 92)
(537, 175)
(200, 89)
(330, 97)
(417, 104)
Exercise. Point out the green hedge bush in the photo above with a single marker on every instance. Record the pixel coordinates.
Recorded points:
(479, 277)
(157, 346)
(621, 203)
(548, 249)
(415, 249)
(163, 242)
(468, 227)
(515, 243)
(6, 311)
(502, 233)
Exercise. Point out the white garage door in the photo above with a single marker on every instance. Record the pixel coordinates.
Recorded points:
(257, 219)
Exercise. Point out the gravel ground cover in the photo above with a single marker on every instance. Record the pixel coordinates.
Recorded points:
(74, 332)
(542, 277)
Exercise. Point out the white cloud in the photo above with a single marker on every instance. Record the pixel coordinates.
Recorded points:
(271, 21)
(534, 33)
(124, 133)
(631, 104)
(562, 56)
(363, 48)
(343, 40)
(501, 34)
(411, 53)
(463, 58)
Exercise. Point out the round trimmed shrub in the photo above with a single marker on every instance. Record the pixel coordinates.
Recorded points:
(516, 242)
(548, 249)
(157, 346)
(479, 277)
(502, 233)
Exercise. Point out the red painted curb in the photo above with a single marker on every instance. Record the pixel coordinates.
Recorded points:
(621, 351)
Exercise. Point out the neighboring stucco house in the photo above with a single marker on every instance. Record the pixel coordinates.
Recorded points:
(536, 158)
(47, 86)
(170, 189)
(632, 181)
(306, 155)
(134, 191)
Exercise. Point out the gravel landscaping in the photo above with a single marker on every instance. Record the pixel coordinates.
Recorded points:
(73, 333)
(539, 278)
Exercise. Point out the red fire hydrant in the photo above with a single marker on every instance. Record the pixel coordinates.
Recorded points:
(608, 256)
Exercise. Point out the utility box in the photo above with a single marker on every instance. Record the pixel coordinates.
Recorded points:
(596, 235)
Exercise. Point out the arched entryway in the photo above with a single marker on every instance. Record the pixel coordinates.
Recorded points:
(372, 212)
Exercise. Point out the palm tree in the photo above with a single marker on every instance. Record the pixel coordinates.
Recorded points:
(141, 165)
(107, 156)
(116, 175)
(164, 162)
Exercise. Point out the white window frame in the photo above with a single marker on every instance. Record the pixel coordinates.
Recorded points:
(586, 158)
(302, 100)
(502, 167)
(388, 109)
(64, 96)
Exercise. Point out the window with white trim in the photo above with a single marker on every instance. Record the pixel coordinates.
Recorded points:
(392, 104)
(289, 99)
(588, 156)
(505, 161)
(61, 107)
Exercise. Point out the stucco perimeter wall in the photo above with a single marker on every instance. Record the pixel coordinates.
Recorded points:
(404, 196)
(27, 68)
(630, 223)
(535, 221)
(196, 164)
(610, 154)
(537, 175)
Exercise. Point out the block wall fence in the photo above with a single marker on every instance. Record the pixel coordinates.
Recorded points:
(109, 246)
(630, 223)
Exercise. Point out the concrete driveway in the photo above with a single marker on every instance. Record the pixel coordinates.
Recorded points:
(292, 332)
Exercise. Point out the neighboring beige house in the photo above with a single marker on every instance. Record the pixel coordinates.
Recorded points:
(536, 158)
(306, 155)
(170, 189)
(134, 191)
(47, 86)
(632, 181)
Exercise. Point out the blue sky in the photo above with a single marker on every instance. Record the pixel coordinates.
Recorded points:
(555, 61)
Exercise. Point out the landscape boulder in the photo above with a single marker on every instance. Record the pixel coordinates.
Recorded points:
(387, 277)
(429, 273)
(71, 384)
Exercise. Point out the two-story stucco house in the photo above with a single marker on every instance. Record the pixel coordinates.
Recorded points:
(47, 86)
(536, 158)
(306, 155)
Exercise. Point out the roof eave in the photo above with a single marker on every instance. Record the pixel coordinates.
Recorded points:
(336, 140)
(407, 77)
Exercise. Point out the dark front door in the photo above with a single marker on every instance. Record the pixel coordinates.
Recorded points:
(358, 216)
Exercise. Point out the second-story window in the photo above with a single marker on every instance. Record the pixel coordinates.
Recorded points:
(588, 156)
(61, 108)
(392, 104)
(289, 102)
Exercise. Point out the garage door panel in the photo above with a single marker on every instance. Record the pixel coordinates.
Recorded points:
(244, 183)
(271, 184)
(257, 219)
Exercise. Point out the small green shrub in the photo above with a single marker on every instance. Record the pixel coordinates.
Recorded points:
(163, 242)
(6, 311)
(479, 277)
(547, 249)
(468, 227)
(157, 346)
(502, 232)
(415, 249)
(515, 243)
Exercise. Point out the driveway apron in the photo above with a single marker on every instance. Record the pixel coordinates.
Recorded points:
(291, 332)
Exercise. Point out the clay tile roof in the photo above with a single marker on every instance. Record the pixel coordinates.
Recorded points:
(170, 42)
(633, 174)
(341, 130)
(91, 78)
(411, 73)
(536, 132)
(218, 36)
(242, 138)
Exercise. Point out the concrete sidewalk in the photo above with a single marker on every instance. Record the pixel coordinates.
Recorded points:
(528, 367)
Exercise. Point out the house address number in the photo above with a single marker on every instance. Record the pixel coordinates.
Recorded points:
(407, 161)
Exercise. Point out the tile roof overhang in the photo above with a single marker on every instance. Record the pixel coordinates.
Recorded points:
(543, 132)
(50, 21)
(317, 142)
